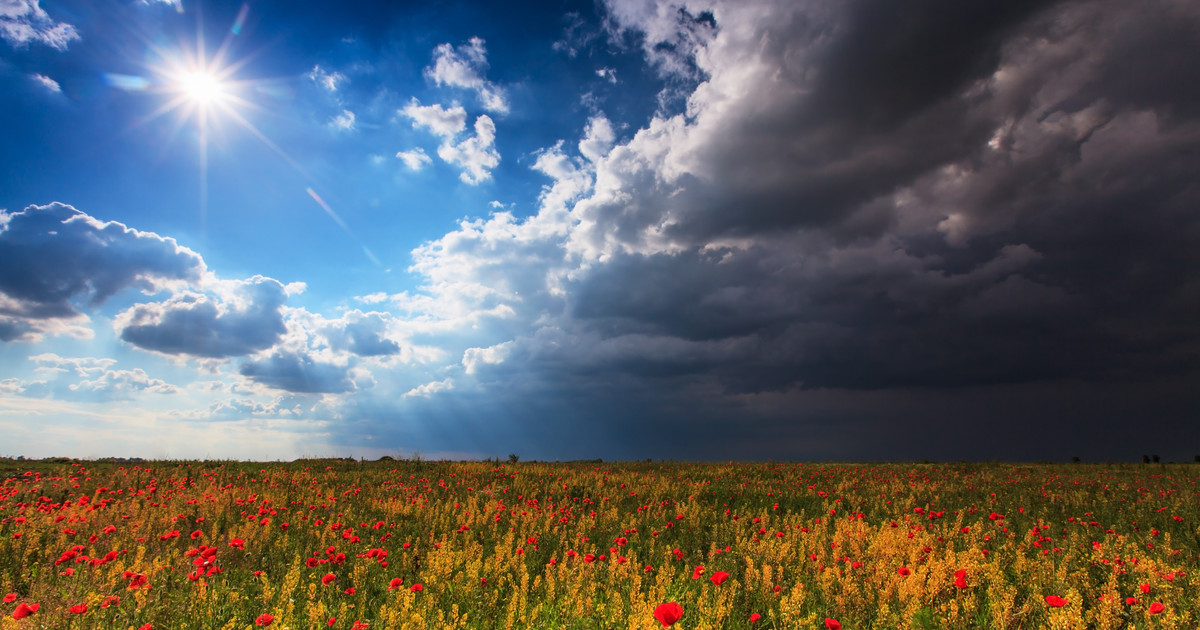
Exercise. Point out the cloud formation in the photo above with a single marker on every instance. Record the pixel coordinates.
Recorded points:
(824, 216)
(475, 154)
(299, 373)
(25, 21)
(464, 67)
(54, 254)
(243, 318)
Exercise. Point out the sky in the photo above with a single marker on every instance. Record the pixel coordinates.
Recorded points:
(622, 229)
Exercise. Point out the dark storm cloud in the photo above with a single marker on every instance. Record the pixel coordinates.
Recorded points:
(53, 254)
(298, 373)
(205, 326)
(914, 195)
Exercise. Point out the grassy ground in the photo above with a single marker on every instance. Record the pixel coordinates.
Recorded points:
(335, 543)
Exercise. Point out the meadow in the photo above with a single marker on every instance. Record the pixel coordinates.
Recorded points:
(591, 545)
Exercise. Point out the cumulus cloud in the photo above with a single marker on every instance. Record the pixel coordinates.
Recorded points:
(53, 254)
(444, 123)
(24, 21)
(464, 67)
(415, 159)
(298, 372)
(429, 389)
(363, 334)
(475, 154)
(239, 319)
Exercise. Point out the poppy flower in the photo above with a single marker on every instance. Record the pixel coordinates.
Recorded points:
(960, 578)
(667, 614)
(1145, 588)
(395, 584)
(79, 609)
(832, 624)
(359, 625)
(329, 577)
(903, 572)
(416, 588)
(1130, 601)
(1056, 601)
(264, 619)
(111, 600)
(197, 534)
(350, 591)
(10, 598)
(719, 577)
(24, 610)
(147, 627)
(1156, 608)
(698, 572)
(754, 617)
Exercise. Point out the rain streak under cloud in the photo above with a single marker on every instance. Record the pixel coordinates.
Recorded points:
(715, 230)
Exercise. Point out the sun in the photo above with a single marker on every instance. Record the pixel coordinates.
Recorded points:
(201, 88)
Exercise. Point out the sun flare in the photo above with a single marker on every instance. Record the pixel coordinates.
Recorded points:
(201, 87)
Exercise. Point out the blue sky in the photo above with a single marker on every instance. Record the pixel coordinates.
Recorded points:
(619, 229)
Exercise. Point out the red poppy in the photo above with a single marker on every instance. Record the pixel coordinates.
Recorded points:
(79, 609)
(416, 588)
(667, 614)
(147, 627)
(754, 617)
(1145, 588)
(196, 534)
(24, 610)
(832, 624)
(10, 598)
(1156, 608)
(395, 584)
(350, 591)
(1056, 601)
(719, 577)
(111, 600)
(358, 625)
(264, 619)
(960, 578)
(698, 572)
(329, 577)
(903, 572)
(1129, 601)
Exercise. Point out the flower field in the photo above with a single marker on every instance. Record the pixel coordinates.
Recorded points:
(409, 544)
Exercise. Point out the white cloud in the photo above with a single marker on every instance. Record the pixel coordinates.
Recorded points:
(343, 121)
(326, 79)
(445, 123)
(429, 389)
(416, 159)
(122, 384)
(608, 74)
(464, 67)
(48, 83)
(476, 154)
(23, 21)
(493, 355)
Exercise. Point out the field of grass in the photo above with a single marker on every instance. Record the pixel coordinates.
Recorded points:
(407, 544)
